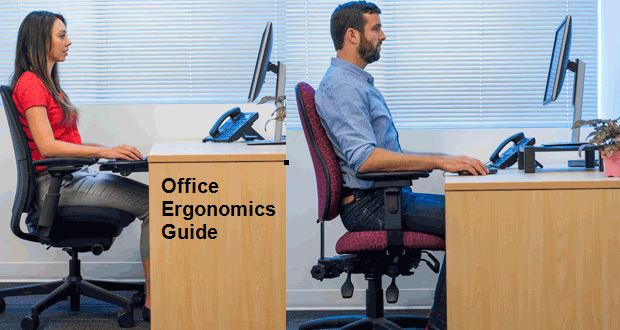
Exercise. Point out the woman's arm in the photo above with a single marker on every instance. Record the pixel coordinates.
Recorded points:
(93, 144)
(50, 147)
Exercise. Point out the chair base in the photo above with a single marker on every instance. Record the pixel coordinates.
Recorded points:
(72, 287)
(374, 318)
(363, 322)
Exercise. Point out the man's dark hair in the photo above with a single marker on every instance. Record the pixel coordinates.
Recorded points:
(350, 15)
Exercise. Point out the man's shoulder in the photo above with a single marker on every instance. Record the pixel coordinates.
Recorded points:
(337, 82)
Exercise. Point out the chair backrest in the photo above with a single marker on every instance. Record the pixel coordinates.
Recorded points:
(324, 159)
(25, 190)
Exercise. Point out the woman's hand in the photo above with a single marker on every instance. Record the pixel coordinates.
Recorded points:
(122, 151)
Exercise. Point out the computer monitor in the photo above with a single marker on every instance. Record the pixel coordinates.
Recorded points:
(558, 65)
(263, 65)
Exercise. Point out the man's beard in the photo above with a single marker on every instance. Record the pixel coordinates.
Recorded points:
(367, 52)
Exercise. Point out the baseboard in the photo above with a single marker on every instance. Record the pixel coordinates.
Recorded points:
(332, 300)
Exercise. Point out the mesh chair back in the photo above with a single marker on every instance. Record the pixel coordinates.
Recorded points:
(324, 160)
(25, 190)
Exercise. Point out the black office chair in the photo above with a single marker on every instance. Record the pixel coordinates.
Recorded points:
(74, 229)
(392, 252)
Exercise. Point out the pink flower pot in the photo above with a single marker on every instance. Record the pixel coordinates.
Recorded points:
(612, 165)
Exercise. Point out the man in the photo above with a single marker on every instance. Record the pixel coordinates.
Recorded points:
(359, 124)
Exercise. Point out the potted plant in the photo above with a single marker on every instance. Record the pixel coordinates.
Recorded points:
(606, 136)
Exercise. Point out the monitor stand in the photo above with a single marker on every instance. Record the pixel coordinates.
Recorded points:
(579, 68)
(267, 142)
(580, 163)
(564, 144)
(280, 99)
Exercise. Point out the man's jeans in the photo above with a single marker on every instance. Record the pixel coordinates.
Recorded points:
(421, 212)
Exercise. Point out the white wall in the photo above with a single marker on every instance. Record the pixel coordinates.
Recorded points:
(142, 125)
(610, 58)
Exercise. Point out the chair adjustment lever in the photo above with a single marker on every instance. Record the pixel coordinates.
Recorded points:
(391, 293)
(347, 287)
(433, 264)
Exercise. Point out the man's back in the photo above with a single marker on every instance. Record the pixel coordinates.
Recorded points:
(356, 118)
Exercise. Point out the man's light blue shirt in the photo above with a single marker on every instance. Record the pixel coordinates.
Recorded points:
(356, 118)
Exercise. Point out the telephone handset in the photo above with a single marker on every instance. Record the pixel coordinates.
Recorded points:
(509, 157)
(238, 125)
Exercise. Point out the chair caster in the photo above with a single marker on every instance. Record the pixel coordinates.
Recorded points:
(138, 299)
(125, 319)
(318, 272)
(347, 287)
(391, 294)
(2, 305)
(30, 322)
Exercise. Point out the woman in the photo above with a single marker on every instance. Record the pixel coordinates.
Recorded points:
(50, 122)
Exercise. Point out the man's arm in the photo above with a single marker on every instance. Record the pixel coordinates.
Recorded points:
(425, 153)
(381, 160)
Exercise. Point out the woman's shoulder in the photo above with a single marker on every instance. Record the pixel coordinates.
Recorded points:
(30, 82)
(28, 77)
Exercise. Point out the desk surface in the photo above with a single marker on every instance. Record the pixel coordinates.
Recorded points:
(551, 177)
(196, 151)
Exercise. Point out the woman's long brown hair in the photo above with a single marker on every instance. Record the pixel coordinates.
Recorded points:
(33, 43)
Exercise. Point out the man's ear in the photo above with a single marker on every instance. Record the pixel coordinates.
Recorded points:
(352, 36)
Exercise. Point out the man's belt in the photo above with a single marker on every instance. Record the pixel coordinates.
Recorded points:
(351, 195)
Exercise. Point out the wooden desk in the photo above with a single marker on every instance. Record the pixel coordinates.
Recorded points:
(238, 280)
(533, 251)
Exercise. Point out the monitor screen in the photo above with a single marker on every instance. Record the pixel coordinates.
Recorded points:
(262, 63)
(559, 61)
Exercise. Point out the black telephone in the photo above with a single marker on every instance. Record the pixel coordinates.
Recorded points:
(510, 156)
(238, 125)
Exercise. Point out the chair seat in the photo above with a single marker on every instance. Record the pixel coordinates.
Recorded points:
(94, 214)
(368, 241)
(81, 227)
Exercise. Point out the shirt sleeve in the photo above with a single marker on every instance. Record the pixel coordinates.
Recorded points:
(345, 113)
(30, 92)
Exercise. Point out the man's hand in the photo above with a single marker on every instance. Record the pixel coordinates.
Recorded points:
(122, 151)
(461, 163)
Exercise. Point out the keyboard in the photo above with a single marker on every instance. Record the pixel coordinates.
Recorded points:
(124, 167)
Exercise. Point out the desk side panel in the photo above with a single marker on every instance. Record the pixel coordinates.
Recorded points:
(533, 259)
(237, 281)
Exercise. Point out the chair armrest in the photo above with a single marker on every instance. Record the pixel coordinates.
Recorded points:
(391, 183)
(64, 161)
(58, 169)
(386, 176)
(392, 179)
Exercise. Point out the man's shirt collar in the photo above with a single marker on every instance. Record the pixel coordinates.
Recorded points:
(357, 71)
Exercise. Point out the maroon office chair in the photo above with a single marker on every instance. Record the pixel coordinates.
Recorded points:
(391, 252)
